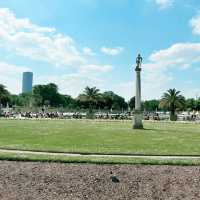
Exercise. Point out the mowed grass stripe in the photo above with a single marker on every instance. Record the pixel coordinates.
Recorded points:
(100, 137)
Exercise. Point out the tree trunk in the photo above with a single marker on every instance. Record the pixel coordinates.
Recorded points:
(90, 114)
(173, 116)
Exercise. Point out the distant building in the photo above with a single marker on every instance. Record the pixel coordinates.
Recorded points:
(27, 82)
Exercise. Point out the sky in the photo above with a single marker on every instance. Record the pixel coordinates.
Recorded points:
(83, 43)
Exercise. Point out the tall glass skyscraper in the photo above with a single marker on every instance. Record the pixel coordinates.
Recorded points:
(27, 82)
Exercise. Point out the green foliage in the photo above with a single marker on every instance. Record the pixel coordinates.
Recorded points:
(91, 99)
(25, 100)
(172, 100)
(48, 94)
(68, 101)
(4, 95)
(192, 104)
(90, 96)
(131, 103)
(198, 104)
(114, 101)
(151, 105)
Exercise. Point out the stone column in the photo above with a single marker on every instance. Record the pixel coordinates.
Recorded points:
(138, 90)
(138, 116)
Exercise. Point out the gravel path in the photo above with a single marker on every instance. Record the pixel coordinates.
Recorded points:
(27, 181)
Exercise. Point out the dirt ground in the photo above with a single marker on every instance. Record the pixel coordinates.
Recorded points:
(27, 180)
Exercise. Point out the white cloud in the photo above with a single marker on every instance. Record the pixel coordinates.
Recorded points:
(72, 84)
(24, 38)
(88, 52)
(111, 51)
(195, 24)
(11, 25)
(10, 76)
(93, 68)
(21, 37)
(162, 4)
(126, 89)
(157, 75)
(157, 72)
(178, 55)
(11, 70)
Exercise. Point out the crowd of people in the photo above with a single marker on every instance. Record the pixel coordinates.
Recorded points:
(64, 115)
(98, 115)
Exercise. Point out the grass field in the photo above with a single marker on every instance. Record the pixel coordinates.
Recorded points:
(100, 137)
(97, 160)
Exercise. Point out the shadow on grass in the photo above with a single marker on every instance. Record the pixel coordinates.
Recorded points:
(154, 130)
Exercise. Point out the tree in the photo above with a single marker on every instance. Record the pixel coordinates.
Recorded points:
(4, 95)
(15, 100)
(108, 99)
(47, 94)
(90, 96)
(114, 101)
(198, 104)
(150, 105)
(172, 100)
(24, 99)
(67, 101)
(131, 103)
(191, 104)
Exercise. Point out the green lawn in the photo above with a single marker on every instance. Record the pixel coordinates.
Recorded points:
(100, 137)
(97, 160)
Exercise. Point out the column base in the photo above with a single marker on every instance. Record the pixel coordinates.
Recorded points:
(137, 120)
(138, 126)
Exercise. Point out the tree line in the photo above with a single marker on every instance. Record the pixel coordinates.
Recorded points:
(91, 98)
(49, 96)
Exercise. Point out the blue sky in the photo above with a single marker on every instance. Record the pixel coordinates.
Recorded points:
(95, 42)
